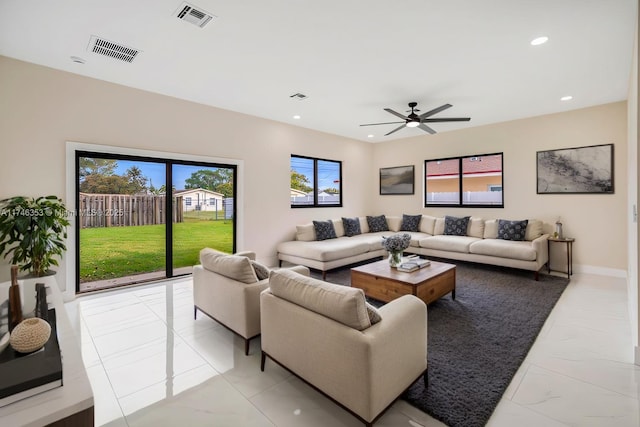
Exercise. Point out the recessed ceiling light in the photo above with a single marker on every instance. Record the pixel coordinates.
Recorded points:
(539, 40)
(370, 136)
(78, 60)
(566, 98)
(297, 117)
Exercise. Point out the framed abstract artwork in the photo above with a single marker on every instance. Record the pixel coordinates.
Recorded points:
(397, 180)
(581, 170)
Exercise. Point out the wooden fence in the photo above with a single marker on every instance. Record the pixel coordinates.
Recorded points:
(116, 210)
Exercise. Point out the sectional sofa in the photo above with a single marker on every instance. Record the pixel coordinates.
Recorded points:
(478, 240)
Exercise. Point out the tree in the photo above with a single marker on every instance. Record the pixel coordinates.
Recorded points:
(331, 191)
(137, 181)
(300, 182)
(93, 166)
(105, 184)
(218, 180)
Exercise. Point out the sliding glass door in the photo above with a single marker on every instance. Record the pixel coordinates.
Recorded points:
(132, 227)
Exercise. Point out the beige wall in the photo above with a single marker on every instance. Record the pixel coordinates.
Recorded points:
(42, 108)
(594, 220)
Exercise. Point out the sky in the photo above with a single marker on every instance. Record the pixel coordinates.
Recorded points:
(155, 172)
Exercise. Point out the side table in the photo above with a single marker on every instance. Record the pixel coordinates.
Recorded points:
(569, 242)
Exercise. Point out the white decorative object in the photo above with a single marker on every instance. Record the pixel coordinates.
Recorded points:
(30, 335)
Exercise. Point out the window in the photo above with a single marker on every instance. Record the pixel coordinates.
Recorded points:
(471, 181)
(187, 201)
(315, 182)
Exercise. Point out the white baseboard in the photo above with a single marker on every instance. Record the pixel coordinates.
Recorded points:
(600, 271)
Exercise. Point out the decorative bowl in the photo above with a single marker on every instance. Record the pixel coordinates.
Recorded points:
(30, 335)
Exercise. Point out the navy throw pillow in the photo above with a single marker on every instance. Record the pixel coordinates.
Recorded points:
(377, 223)
(324, 230)
(351, 226)
(454, 226)
(512, 230)
(410, 222)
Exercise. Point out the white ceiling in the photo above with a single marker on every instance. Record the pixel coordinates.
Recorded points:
(352, 58)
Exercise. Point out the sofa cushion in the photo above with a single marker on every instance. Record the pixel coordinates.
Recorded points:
(491, 229)
(438, 227)
(534, 229)
(338, 227)
(331, 249)
(324, 230)
(343, 304)
(504, 249)
(377, 223)
(512, 230)
(394, 223)
(476, 227)
(364, 225)
(262, 271)
(232, 266)
(410, 222)
(449, 243)
(305, 232)
(455, 226)
(351, 226)
(427, 224)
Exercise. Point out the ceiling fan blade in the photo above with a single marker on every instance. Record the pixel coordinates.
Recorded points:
(435, 111)
(426, 128)
(376, 124)
(395, 130)
(444, 119)
(389, 110)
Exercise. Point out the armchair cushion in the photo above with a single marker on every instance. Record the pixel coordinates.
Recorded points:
(232, 266)
(341, 303)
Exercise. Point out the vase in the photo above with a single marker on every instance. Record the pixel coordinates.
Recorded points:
(395, 258)
(15, 304)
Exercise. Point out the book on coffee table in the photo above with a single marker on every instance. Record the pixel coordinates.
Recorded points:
(413, 264)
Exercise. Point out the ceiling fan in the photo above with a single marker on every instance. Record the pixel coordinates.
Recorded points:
(414, 120)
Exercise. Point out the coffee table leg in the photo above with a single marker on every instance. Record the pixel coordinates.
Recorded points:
(453, 294)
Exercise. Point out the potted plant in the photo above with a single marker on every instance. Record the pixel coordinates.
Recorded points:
(32, 232)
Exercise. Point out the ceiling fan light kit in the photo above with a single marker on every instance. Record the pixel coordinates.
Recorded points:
(413, 120)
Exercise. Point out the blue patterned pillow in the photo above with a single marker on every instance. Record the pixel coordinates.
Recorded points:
(324, 230)
(377, 223)
(410, 222)
(351, 226)
(512, 230)
(454, 226)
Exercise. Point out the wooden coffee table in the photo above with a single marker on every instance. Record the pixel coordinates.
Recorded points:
(381, 282)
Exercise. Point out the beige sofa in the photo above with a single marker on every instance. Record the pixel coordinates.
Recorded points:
(227, 289)
(481, 244)
(323, 334)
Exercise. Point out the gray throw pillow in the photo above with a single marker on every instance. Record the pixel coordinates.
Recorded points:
(410, 222)
(512, 230)
(377, 223)
(351, 226)
(454, 226)
(324, 230)
(373, 313)
(262, 272)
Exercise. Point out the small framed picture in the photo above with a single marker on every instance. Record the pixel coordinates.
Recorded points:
(397, 180)
(587, 170)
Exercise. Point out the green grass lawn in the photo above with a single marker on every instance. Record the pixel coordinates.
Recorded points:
(107, 253)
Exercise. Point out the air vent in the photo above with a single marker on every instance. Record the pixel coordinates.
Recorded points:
(298, 96)
(114, 50)
(194, 15)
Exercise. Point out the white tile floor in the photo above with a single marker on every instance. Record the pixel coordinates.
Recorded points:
(151, 364)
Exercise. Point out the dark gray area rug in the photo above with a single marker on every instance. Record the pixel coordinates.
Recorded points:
(477, 342)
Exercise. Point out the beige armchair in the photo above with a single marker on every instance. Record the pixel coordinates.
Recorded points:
(323, 333)
(227, 289)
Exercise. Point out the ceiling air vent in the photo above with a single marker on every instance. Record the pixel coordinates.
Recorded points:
(298, 96)
(114, 50)
(193, 15)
